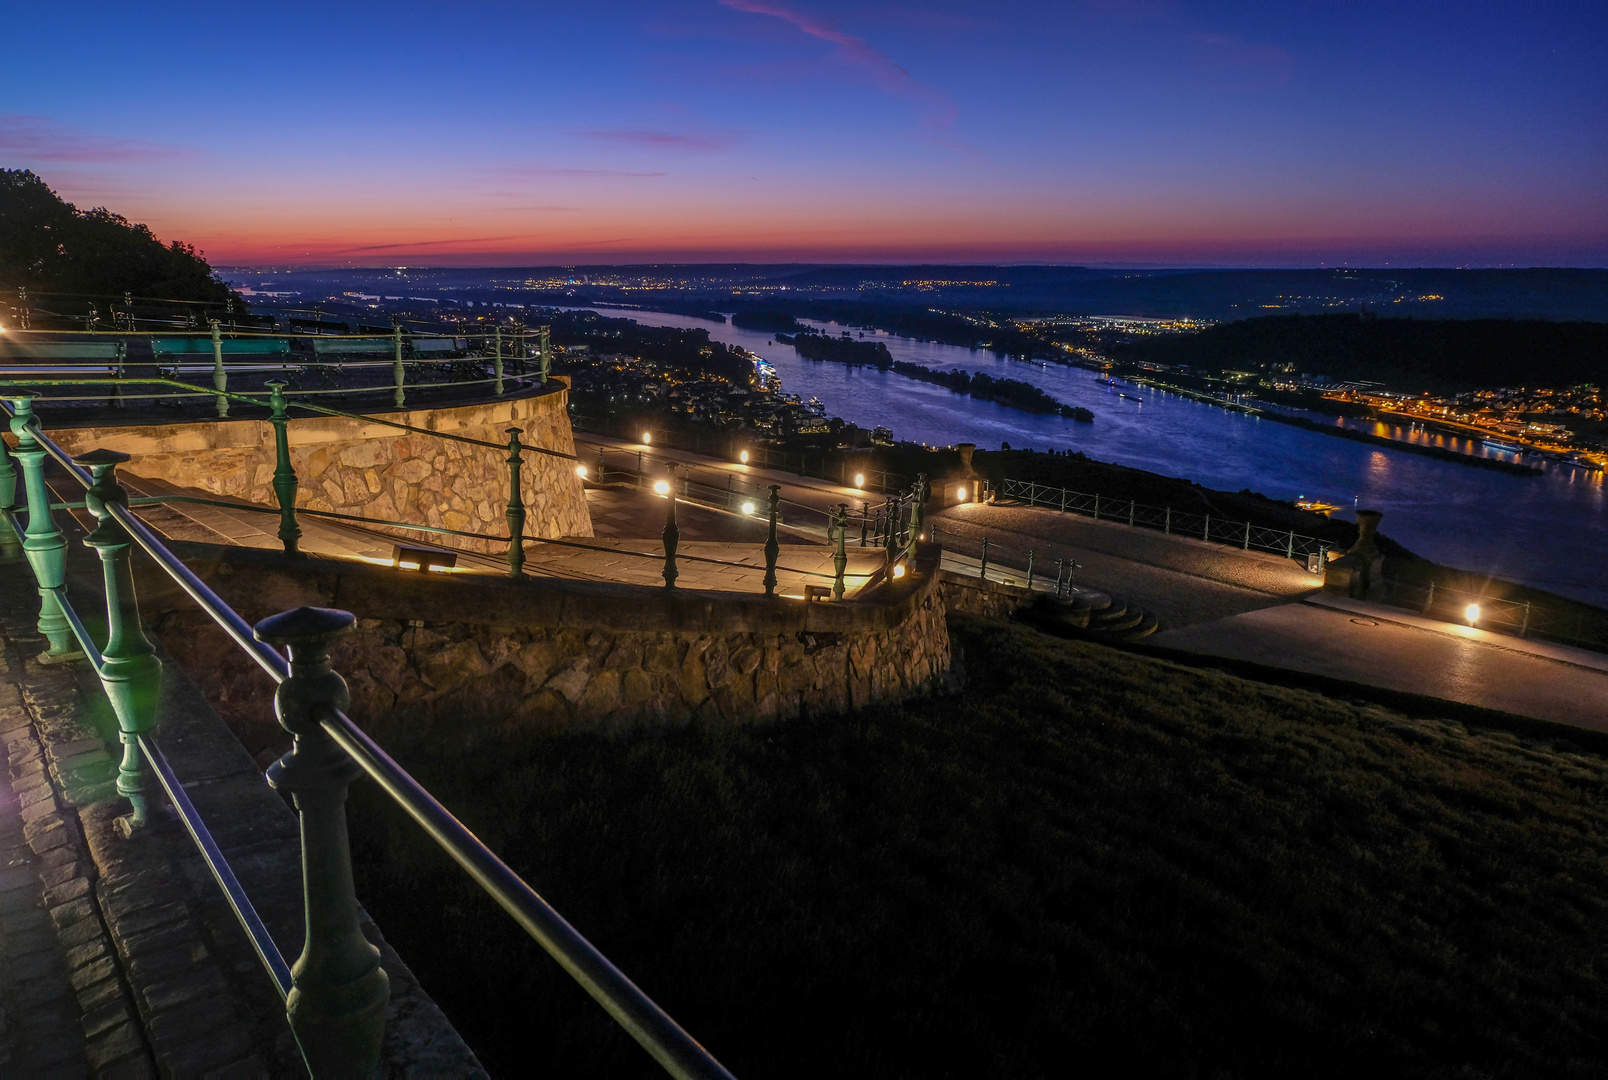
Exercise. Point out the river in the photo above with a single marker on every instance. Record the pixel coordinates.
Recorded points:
(1549, 531)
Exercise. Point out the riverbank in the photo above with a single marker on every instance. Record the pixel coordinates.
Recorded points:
(1439, 453)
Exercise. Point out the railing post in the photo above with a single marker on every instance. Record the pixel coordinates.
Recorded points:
(337, 1004)
(516, 506)
(129, 671)
(865, 521)
(1524, 628)
(1097, 506)
(285, 482)
(497, 363)
(840, 558)
(730, 497)
(671, 534)
(547, 352)
(1029, 568)
(1166, 521)
(10, 542)
(772, 548)
(890, 538)
(397, 374)
(918, 511)
(1063, 500)
(1429, 600)
(1289, 549)
(983, 571)
(1131, 505)
(220, 377)
(1206, 529)
(42, 542)
(1247, 545)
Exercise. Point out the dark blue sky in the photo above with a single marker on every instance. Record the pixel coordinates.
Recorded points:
(1219, 134)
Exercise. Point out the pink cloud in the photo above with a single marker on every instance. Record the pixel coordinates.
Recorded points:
(663, 140)
(27, 138)
(542, 170)
(937, 110)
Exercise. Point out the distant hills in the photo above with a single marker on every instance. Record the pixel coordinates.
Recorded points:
(1541, 293)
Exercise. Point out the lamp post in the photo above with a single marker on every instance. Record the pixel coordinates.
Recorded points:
(672, 535)
(772, 548)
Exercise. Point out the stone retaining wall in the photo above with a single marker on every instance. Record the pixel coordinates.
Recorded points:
(975, 596)
(451, 654)
(374, 471)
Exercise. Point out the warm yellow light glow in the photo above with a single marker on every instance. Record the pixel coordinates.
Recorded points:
(661, 487)
(748, 508)
(580, 470)
(1472, 614)
(647, 437)
(960, 493)
(859, 480)
(898, 571)
(743, 457)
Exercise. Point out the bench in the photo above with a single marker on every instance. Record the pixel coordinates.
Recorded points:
(422, 558)
(438, 346)
(106, 358)
(167, 350)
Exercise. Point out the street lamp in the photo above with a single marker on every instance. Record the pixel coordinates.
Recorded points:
(580, 470)
(647, 437)
(1472, 614)
(748, 508)
(661, 488)
(743, 457)
(859, 480)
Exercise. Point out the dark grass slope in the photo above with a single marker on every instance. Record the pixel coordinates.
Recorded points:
(1088, 863)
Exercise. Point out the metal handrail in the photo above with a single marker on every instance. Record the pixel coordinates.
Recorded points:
(666, 1041)
(647, 1023)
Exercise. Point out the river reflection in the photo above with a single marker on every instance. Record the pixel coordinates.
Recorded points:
(1550, 531)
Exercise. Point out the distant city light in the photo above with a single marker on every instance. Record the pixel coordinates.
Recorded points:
(748, 508)
(1472, 614)
(661, 487)
(743, 457)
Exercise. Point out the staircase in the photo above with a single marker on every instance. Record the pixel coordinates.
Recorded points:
(1095, 616)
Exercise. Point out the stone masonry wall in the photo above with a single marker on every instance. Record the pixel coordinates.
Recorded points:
(374, 471)
(974, 596)
(454, 655)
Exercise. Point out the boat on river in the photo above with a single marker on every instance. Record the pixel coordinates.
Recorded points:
(1497, 444)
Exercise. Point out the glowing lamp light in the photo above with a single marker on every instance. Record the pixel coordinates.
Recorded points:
(1472, 614)
(960, 493)
(748, 508)
(743, 457)
(647, 437)
(580, 470)
(661, 488)
(899, 571)
(859, 480)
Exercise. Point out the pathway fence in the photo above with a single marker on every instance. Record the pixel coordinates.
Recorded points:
(335, 995)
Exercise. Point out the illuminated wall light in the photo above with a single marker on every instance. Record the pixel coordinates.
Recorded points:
(661, 487)
(960, 493)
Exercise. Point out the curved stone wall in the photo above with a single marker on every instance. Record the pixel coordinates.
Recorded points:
(375, 471)
(454, 653)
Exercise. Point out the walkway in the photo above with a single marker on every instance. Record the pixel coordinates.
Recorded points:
(1395, 650)
(119, 957)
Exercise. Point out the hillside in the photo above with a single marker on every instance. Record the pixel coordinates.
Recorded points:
(48, 245)
(1414, 355)
(1087, 860)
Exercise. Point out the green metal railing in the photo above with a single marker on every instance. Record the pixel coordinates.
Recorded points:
(1240, 534)
(335, 995)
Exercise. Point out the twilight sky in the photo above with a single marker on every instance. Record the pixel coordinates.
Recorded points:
(1092, 131)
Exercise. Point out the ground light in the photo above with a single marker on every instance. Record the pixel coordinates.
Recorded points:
(661, 487)
(748, 508)
(1472, 614)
